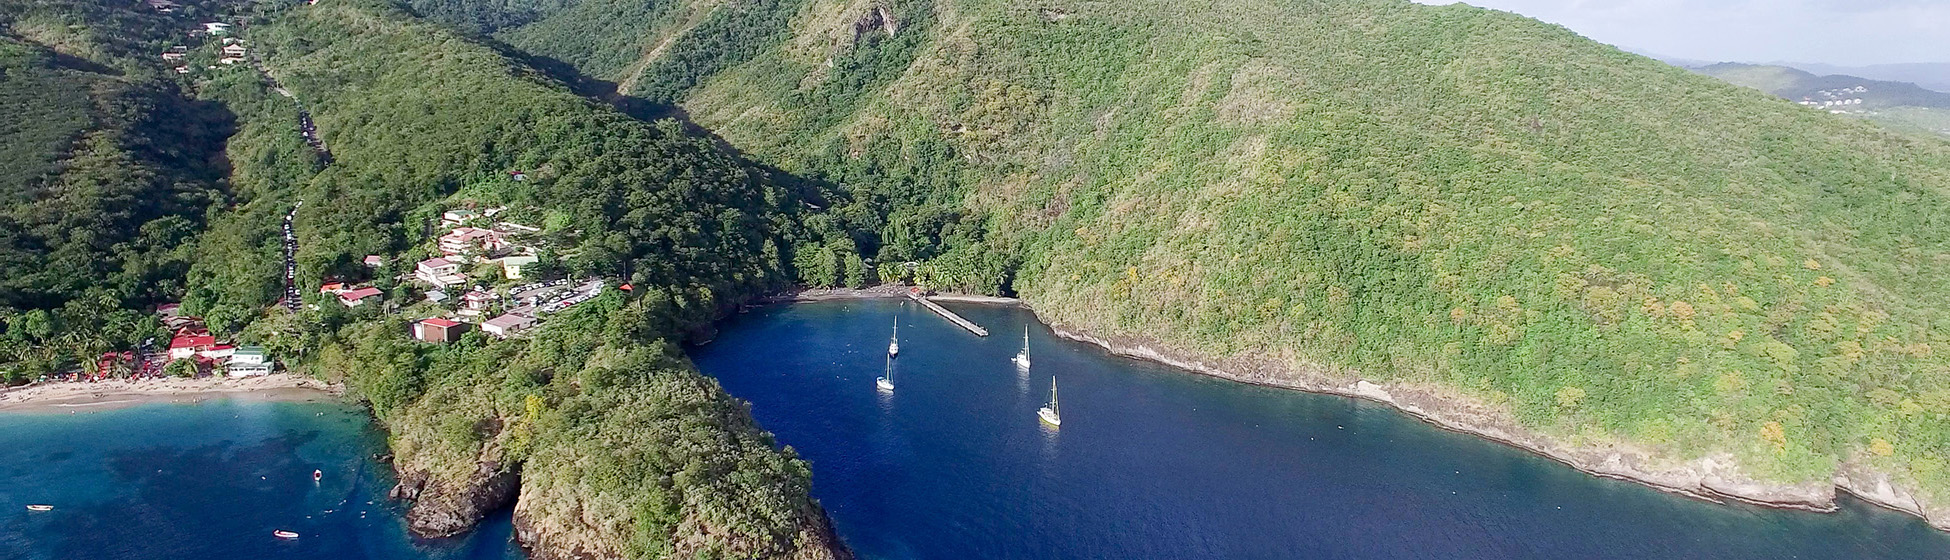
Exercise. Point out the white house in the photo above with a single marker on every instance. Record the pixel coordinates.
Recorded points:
(465, 240)
(439, 272)
(247, 361)
(216, 28)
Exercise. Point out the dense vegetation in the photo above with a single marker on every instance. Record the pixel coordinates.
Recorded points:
(106, 173)
(127, 189)
(620, 446)
(1606, 246)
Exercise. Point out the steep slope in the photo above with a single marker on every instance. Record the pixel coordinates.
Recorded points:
(1643, 271)
(594, 426)
(106, 170)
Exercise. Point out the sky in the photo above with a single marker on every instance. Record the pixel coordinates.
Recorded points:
(1841, 32)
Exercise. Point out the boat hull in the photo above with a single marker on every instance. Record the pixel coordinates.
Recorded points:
(1049, 416)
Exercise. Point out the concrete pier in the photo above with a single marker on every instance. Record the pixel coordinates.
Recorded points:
(950, 315)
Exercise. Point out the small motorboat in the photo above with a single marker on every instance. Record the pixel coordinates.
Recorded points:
(40, 507)
(283, 534)
(317, 474)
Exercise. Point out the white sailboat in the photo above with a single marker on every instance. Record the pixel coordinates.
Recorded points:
(1048, 413)
(886, 382)
(1022, 358)
(894, 346)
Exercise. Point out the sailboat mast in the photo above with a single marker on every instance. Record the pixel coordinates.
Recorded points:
(1052, 396)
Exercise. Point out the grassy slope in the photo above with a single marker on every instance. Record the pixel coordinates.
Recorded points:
(1608, 246)
(623, 449)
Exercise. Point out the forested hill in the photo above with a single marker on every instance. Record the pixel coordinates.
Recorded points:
(1608, 248)
(594, 426)
(106, 170)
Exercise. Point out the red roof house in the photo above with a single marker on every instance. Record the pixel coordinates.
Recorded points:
(352, 298)
(438, 329)
(186, 345)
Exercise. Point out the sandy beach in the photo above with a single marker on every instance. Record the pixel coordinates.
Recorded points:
(106, 395)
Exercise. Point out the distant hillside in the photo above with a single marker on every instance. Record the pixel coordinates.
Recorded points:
(1897, 104)
(1931, 75)
(1607, 247)
(1827, 91)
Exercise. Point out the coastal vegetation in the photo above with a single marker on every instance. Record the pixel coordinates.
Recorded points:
(1610, 249)
(620, 446)
(595, 423)
(106, 172)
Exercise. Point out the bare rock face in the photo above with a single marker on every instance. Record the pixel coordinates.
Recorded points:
(442, 509)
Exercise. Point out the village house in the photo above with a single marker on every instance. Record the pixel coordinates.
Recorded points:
(508, 324)
(173, 56)
(476, 302)
(169, 309)
(186, 345)
(248, 361)
(374, 261)
(439, 272)
(353, 298)
(332, 288)
(216, 28)
(471, 240)
(457, 218)
(235, 50)
(230, 60)
(438, 329)
(511, 265)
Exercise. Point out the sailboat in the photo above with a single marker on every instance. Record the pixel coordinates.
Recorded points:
(1022, 358)
(886, 382)
(1048, 413)
(894, 346)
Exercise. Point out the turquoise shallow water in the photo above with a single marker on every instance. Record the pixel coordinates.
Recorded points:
(210, 481)
(1157, 463)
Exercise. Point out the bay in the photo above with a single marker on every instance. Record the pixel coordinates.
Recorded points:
(211, 481)
(1152, 462)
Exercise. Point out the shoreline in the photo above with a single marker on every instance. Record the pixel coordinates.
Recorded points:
(1715, 479)
(83, 396)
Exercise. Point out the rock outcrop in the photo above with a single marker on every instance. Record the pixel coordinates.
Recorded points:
(444, 509)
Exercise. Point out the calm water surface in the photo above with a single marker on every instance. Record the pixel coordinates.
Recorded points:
(210, 482)
(1156, 463)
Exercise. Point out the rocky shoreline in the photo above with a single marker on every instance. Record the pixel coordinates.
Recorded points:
(1716, 479)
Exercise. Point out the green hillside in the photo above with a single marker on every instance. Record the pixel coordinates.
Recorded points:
(106, 170)
(1608, 247)
(613, 444)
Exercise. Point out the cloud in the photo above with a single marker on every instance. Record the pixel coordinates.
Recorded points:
(1847, 32)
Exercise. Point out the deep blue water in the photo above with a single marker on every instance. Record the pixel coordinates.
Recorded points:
(1157, 463)
(210, 481)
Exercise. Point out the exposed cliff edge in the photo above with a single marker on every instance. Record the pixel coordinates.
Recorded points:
(444, 509)
(1712, 478)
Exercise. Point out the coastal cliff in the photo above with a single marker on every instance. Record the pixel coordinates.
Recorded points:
(1714, 478)
(444, 509)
